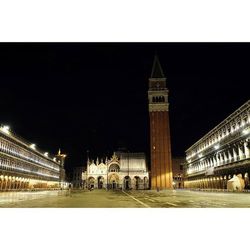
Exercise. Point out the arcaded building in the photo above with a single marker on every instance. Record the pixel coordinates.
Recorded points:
(221, 158)
(123, 170)
(24, 166)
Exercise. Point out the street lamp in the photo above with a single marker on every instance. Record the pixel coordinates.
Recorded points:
(128, 169)
(5, 129)
(107, 174)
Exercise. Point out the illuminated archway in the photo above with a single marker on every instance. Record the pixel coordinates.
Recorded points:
(91, 182)
(114, 181)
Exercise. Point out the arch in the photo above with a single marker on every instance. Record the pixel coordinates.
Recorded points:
(114, 181)
(127, 183)
(100, 181)
(137, 180)
(91, 182)
(114, 167)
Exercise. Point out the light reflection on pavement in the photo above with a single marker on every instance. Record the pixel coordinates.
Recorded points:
(119, 199)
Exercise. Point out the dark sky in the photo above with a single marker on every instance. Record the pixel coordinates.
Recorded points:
(80, 96)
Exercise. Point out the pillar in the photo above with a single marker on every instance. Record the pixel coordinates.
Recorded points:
(246, 149)
(234, 154)
(241, 155)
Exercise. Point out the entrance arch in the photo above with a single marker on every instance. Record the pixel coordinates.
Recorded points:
(127, 182)
(114, 181)
(100, 181)
(137, 182)
(91, 182)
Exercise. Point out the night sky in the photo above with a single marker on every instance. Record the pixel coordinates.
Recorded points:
(80, 96)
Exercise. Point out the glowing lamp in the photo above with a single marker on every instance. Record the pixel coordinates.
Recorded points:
(245, 131)
(6, 129)
(33, 146)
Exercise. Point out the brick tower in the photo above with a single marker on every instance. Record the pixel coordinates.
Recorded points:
(160, 146)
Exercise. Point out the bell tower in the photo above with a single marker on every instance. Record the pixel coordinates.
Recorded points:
(160, 145)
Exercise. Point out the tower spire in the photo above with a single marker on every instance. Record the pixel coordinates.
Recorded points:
(157, 71)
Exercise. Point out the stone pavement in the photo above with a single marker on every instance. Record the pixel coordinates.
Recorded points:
(119, 199)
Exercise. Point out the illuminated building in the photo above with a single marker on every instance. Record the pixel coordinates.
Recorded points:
(178, 172)
(160, 146)
(222, 157)
(24, 166)
(77, 178)
(122, 171)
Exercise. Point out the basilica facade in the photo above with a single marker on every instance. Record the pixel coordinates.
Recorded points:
(123, 170)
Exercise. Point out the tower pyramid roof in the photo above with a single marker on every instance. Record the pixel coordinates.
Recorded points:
(157, 71)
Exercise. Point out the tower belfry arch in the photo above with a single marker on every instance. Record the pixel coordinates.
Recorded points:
(160, 144)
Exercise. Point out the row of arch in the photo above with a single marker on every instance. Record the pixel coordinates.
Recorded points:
(15, 183)
(158, 99)
(215, 182)
(114, 182)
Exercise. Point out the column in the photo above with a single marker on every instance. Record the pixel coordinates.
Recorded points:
(246, 149)
(229, 155)
(234, 155)
(211, 162)
(241, 155)
(217, 159)
(225, 157)
(214, 161)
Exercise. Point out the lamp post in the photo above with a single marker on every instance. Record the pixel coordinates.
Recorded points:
(128, 170)
(107, 174)
(87, 170)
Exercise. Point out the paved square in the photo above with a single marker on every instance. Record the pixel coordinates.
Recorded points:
(120, 199)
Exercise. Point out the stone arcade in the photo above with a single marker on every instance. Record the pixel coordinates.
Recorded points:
(24, 166)
(221, 158)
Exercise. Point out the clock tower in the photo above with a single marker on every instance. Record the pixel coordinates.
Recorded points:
(160, 145)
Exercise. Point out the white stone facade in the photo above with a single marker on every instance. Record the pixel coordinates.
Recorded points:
(24, 166)
(122, 171)
(222, 153)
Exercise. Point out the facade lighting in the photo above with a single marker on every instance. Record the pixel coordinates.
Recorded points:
(216, 147)
(33, 146)
(245, 131)
(46, 154)
(5, 129)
